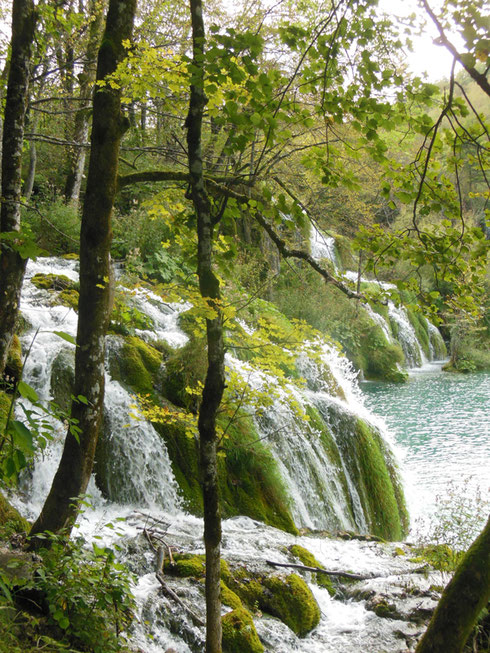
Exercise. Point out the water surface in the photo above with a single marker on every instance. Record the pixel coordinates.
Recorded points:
(440, 422)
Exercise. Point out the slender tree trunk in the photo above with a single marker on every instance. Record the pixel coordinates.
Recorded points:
(462, 601)
(76, 154)
(12, 265)
(108, 126)
(215, 377)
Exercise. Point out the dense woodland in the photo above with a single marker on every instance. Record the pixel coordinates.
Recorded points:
(197, 146)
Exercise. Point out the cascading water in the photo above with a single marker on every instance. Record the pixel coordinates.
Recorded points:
(324, 492)
(323, 247)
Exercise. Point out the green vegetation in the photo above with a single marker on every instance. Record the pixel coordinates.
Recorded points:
(304, 295)
(71, 598)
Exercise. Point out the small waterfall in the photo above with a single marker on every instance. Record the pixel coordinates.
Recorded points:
(406, 336)
(323, 247)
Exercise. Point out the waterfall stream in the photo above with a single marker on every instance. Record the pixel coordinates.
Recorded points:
(318, 487)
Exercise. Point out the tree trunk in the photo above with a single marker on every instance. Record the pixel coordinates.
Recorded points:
(108, 126)
(462, 601)
(215, 377)
(12, 265)
(76, 154)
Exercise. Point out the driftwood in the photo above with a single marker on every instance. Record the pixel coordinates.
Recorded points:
(345, 574)
(160, 554)
(318, 570)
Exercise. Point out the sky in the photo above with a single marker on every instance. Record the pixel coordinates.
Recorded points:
(427, 58)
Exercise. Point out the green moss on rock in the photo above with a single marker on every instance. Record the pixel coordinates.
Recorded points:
(248, 476)
(68, 297)
(290, 599)
(11, 521)
(239, 634)
(286, 597)
(372, 469)
(186, 566)
(137, 365)
(5, 401)
(309, 560)
(185, 368)
(229, 598)
(52, 281)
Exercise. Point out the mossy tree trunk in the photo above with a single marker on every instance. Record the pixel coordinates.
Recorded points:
(108, 126)
(12, 265)
(462, 601)
(215, 377)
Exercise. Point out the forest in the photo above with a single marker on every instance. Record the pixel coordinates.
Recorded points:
(216, 224)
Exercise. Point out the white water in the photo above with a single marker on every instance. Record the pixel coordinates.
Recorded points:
(323, 247)
(141, 456)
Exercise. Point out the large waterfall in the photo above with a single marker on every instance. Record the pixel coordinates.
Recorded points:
(322, 454)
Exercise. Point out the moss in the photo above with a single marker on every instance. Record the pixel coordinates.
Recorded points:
(239, 634)
(71, 256)
(52, 281)
(380, 359)
(290, 599)
(68, 297)
(185, 368)
(229, 598)
(184, 455)
(249, 479)
(5, 401)
(382, 498)
(287, 598)
(186, 566)
(371, 467)
(13, 367)
(309, 560)
(137, 365)
(421, 328)
(248, 476)
(11, 521)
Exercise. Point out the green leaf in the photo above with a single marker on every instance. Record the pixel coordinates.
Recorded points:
(66, 336)
(26, 391)
(21, 435)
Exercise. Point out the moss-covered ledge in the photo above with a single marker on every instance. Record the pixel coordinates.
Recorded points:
(286, 597)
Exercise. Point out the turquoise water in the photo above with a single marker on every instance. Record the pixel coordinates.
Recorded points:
(441, 424)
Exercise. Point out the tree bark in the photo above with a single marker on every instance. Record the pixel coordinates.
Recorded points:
(462, 601)
(12, 265)
(215, 377)
(76, 155)
(108, 126)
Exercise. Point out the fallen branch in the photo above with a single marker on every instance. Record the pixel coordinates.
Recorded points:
(318, 570)
(345, 574)
(172, 595)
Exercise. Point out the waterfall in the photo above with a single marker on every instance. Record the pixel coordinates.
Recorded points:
(317, 451)
(323, 247)
(138, 467)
